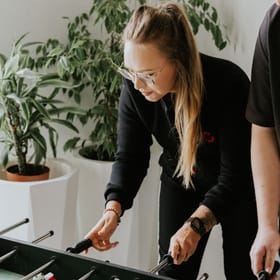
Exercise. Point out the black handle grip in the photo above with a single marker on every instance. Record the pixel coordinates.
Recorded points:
(263, 275)
(168, 258)
(275, 267)
(80, 247)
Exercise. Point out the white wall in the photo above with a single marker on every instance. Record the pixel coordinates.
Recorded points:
(43, 19)
(242, 20)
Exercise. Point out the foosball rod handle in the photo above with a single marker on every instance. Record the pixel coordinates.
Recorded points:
(80, 247)
(263, 275)
(204, 276)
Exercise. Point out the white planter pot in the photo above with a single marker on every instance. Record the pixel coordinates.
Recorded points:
(49, 205)
(137, 233)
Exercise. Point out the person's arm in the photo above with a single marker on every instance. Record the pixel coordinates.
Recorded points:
(266, 174)
(128, 170)
(184, 242)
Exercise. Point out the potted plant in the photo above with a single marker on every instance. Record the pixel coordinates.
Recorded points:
(25, 111)
(30, 107)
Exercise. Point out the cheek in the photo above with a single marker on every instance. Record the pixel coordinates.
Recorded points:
(167, 82)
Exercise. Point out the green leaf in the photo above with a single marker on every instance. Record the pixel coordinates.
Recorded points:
(66, 124)
(63, 61)
(71, 144)
(214, 15)
(15, 98)
(2, 111)
(11, 66)
(67, 109)
(26, 73)
(38, 139)
(40, 108)
(55, 52)
(2, 60)
(55, 83)
(53, 138)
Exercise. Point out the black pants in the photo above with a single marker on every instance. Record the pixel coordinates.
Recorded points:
(238, 232)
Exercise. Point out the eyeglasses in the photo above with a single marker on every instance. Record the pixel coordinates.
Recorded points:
(146, 77)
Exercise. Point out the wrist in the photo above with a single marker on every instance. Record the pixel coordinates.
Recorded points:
(114, 204)
(115, 211)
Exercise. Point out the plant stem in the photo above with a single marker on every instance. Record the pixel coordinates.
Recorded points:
(20, 147)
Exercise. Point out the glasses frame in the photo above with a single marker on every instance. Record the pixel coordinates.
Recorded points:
(145, 77)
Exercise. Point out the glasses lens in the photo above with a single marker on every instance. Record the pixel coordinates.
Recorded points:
(125, 74)
(147, 79)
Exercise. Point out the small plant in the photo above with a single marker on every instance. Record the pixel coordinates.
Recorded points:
(25, 110)
(90, 62)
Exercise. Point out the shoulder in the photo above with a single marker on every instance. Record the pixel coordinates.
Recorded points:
(270, 24)
(223, 72)
(272, 16)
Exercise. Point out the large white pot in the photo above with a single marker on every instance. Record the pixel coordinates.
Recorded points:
(49, 205)
(137, 232)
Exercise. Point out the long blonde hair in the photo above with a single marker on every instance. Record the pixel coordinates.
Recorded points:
(168, 28)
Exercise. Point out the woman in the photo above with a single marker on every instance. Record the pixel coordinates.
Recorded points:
(194, 107)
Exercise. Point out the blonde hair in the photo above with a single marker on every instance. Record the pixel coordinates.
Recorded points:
(168, 28)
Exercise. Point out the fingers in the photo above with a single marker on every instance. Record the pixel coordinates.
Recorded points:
(175, 252)
(269, 262)
(183, 244)
(100, 235)
(179, 253)
(104, 245)
(264, 250)
(262, 259)
(257, 261)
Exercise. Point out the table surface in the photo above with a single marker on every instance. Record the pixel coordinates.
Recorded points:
(8, 275)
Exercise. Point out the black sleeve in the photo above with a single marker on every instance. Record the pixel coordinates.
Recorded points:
(133, 154)
(234, 180)
(259, 108)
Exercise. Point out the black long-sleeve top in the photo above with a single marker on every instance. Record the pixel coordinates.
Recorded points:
(222, 173)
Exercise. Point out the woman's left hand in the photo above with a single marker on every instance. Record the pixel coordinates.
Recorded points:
(183, 244)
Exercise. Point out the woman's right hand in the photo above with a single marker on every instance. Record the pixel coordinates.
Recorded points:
(101, 233)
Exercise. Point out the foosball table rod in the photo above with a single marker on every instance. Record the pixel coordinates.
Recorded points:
(8, 255)
(11, 253)
(43, 237)
(86, 276)
(38, 270)
(26, 220)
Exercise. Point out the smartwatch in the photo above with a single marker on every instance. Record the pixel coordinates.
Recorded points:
(197, 225)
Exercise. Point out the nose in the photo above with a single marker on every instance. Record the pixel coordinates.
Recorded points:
(138, 83)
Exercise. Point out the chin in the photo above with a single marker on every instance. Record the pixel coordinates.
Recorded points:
(153, 98)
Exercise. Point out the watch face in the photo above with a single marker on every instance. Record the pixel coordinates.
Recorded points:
(197, 225)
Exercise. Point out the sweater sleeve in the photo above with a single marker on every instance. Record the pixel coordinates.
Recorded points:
(133, 154)
(234, 177)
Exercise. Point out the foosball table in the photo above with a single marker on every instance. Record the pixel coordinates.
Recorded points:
(23, 260)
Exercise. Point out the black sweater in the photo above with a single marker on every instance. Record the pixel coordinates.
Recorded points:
(222, 173)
